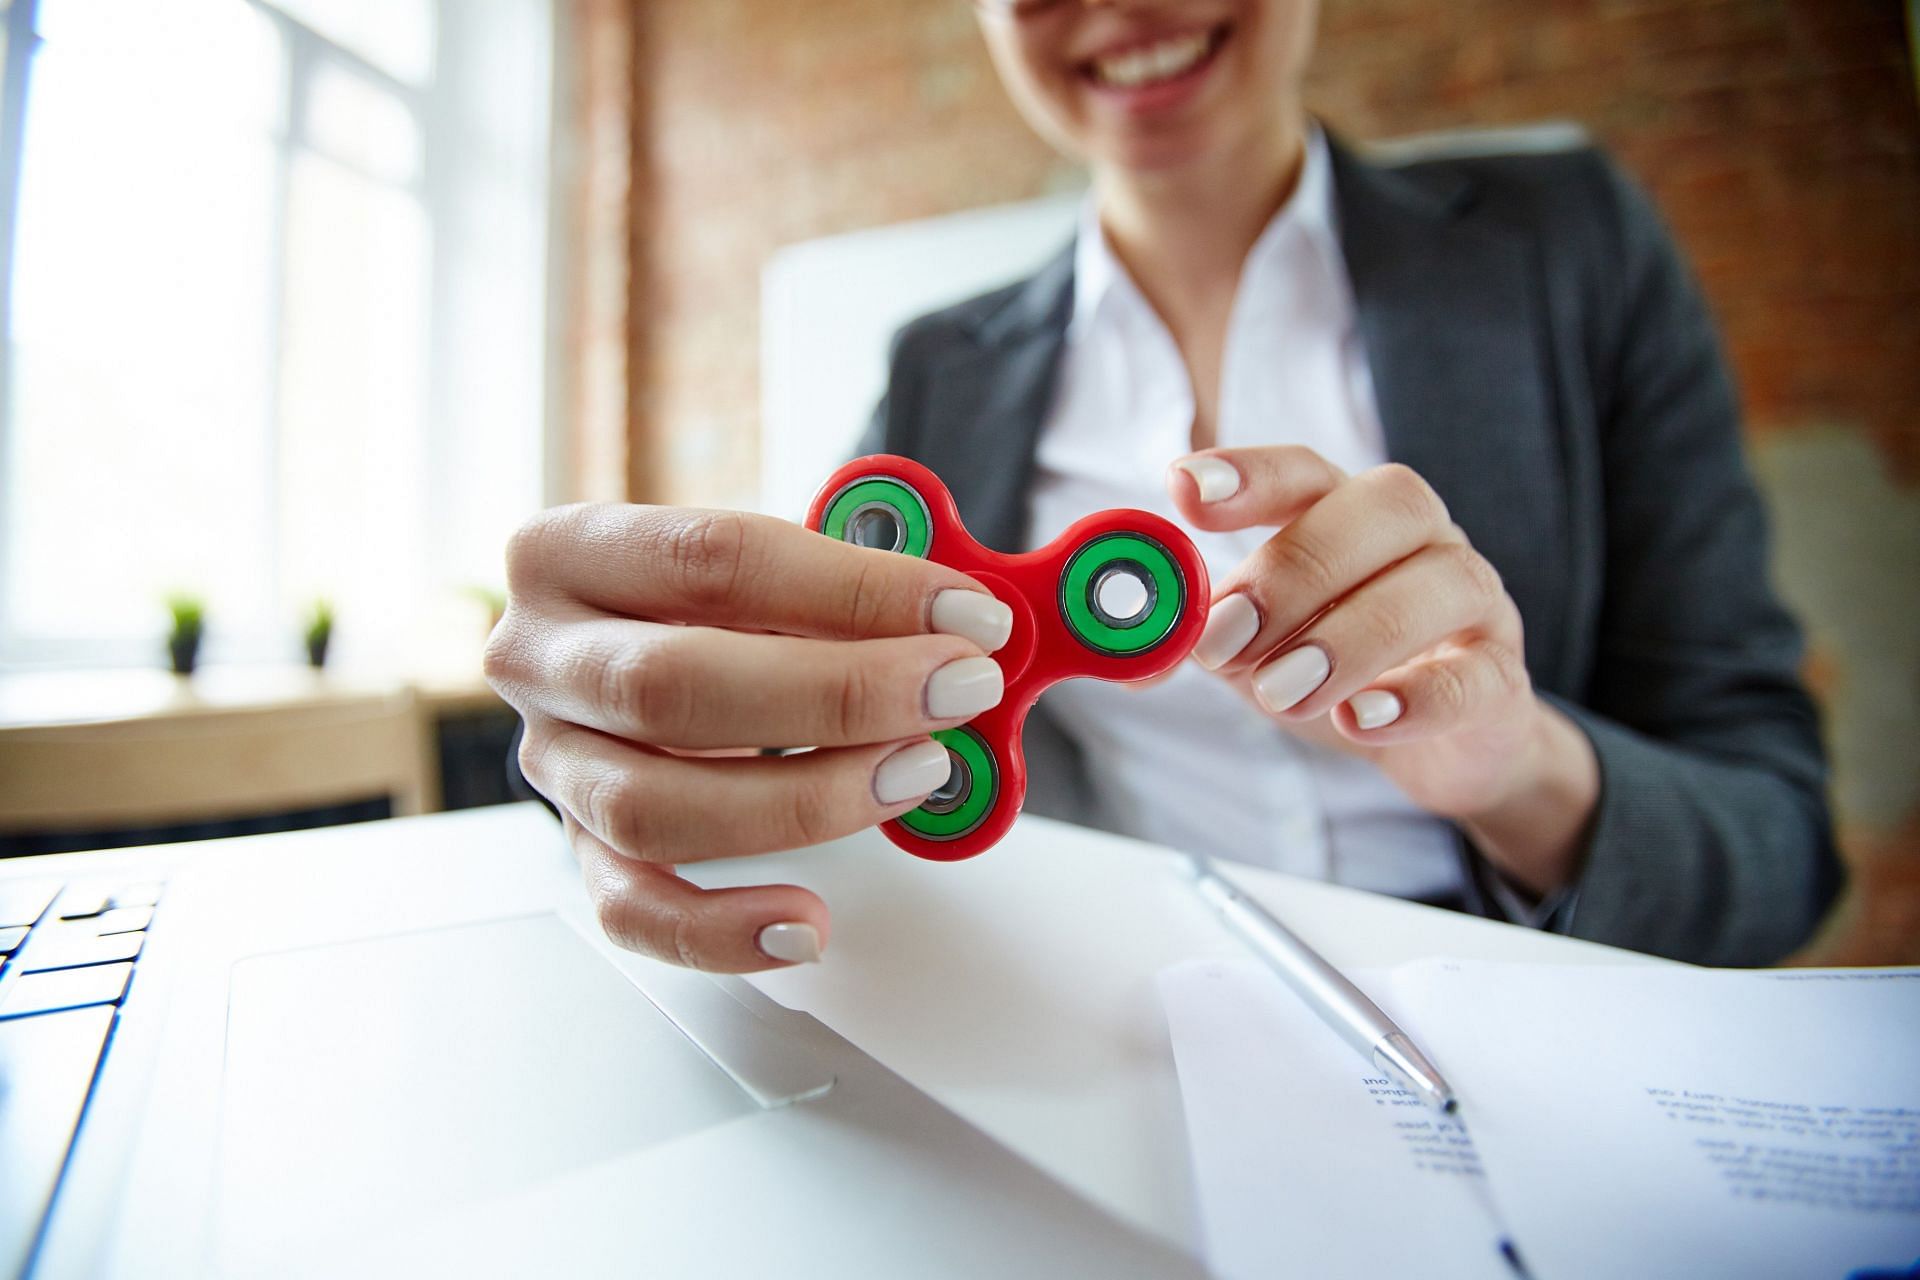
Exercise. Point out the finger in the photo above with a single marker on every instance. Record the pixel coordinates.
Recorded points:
(1440, 593)
(651, 910)
(699, 688)
(1455, 689)
(657, 807)
(735, 568)
(1238, 488)
(1374, 520)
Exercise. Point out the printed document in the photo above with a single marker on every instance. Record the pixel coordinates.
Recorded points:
(1307, 1161)
(1624, 1121)
(1642, 1121)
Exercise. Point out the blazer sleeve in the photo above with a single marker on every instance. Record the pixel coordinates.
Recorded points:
(1712, 841)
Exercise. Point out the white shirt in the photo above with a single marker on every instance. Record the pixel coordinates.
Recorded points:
(1188, 763)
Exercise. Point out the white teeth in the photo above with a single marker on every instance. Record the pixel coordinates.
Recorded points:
(1155, 63)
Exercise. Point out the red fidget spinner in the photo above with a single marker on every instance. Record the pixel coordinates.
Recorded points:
(1121, 595)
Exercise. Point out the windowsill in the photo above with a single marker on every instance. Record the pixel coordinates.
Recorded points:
(40, 698)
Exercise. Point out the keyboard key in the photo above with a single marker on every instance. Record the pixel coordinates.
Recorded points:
(123, 920)
(46, 1068)
(145, 894)
(86, 901)
(63, 989)
(70, 944)
(22, 901)
(10, 940)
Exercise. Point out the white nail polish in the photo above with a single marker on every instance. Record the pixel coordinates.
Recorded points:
(911, 773)
(1216, 478)
(1231, 626)
(1286, 681)
(1375, 708)
(964, 687)
(790, 940)
(973, 615)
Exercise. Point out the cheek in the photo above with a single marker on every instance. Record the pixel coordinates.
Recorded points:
(1046, 97)
(1288, 28)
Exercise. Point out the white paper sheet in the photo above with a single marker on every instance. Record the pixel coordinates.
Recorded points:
(1638, 1122)
(1307, 1161)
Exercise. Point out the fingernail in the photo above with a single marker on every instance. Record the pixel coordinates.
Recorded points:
(964, 687)
(1231, 625)
(1375, 708)
(973, 615)
(911, 773)
(1284, 682)
(1216, 478)
(790, 940)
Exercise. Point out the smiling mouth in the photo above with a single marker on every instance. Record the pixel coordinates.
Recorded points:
(1144, 66)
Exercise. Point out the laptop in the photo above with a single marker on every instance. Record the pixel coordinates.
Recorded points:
(405, 1048)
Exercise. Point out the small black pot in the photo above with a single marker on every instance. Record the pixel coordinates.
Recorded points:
(317, 651)
(184, 649)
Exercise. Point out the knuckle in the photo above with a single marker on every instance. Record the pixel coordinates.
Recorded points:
(1387, 628)
(707, 552)
(810, 814)
(1309, 565)
(1508, 668)
(648, 687)
(535, 744)
(1481, 577)
(849, 699)
(607, 890)
(869, 596)
(505, 661)
(1410, 494)
(637, 921)
(530, 545)
(683, 938)
(609, 804)
(1446, 691)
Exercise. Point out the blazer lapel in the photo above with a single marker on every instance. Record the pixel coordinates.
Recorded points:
(985, 402)
(1451, 310)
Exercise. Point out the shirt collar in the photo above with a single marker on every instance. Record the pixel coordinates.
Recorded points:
(1099, 276)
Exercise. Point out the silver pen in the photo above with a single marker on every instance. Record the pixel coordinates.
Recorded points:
(1339, 1003)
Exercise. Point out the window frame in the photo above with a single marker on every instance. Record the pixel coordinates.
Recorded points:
(305, 52)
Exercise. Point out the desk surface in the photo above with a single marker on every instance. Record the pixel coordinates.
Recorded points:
(1017, 988)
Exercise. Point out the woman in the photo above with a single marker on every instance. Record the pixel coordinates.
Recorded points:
(1490, 625)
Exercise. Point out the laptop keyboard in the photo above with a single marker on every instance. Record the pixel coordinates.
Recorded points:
(67, 955)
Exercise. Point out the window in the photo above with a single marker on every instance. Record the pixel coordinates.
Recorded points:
(276, 318)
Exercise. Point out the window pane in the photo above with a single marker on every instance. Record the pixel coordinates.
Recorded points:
(395, 35)
(352, 456)
(353, 120)
(136, 460)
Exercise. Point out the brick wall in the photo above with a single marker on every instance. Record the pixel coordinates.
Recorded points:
(1780, 136)
(772, 123)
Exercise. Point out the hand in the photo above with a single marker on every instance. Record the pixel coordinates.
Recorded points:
(1370, 615)
(650, 649)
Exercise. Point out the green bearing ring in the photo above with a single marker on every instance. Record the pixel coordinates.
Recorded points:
(879, 511)
(1135, 556)
(963, 802)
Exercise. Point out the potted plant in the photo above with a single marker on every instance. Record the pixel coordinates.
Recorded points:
(319, 633)
(189, 624)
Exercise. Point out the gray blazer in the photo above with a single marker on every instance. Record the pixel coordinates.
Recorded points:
(1542, 356)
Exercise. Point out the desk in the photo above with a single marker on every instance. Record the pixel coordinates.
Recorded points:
(97, 750)
(1017, 988)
